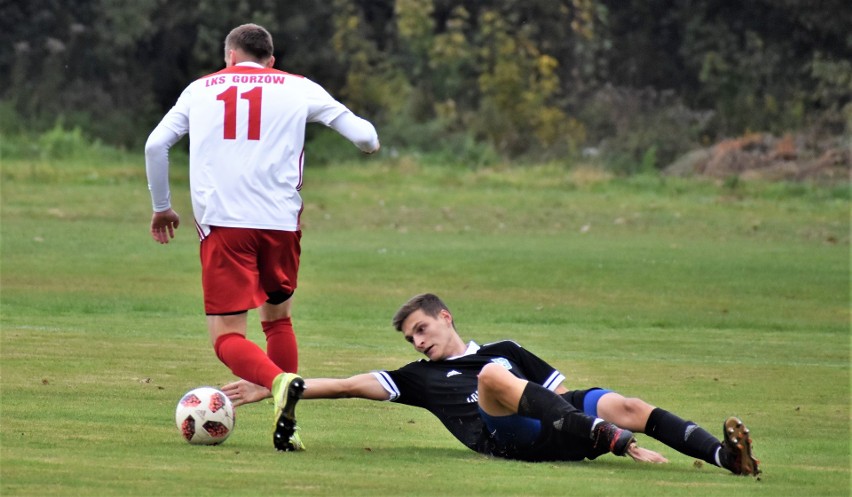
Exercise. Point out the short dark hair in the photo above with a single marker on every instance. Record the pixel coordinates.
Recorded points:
(429, 303)
(252, 39)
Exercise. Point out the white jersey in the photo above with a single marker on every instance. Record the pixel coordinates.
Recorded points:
(246, 128)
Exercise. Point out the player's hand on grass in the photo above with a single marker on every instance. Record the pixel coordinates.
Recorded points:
(245, 392)
(640, 454)
(163, 225)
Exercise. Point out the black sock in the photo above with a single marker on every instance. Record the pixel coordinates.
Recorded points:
(540, 403)
(685, 437)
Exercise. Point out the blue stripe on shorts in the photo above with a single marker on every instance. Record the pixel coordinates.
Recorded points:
(590, 402)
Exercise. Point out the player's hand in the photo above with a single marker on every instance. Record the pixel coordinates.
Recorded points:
(163, 225)
(375, 150)
(245, 392)
(640, 454)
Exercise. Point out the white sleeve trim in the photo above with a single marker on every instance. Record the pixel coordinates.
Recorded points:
(388, 384)
(554, 380)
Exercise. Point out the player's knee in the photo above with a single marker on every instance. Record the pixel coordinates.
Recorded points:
(490, 376)
(636, 408)
(278, 297)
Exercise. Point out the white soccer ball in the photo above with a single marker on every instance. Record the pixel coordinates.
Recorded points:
(205, 416)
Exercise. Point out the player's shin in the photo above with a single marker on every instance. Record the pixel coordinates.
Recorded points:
(685, 437)
(246, 359)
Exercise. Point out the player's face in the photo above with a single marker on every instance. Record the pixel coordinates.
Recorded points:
(431, 336)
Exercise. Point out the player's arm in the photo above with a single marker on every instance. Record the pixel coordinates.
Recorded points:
(164, 221)
(157, 165)
(173, 126)
(357, 130)
(362, 386)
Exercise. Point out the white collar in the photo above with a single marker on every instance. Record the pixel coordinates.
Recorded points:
(250, 64)
(472, 348)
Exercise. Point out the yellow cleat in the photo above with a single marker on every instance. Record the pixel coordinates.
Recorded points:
(287, 389)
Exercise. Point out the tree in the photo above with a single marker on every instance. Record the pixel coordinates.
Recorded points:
(524, 77)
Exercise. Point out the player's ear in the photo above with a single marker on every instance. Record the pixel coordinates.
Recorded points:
(446, 316)
(270, 62)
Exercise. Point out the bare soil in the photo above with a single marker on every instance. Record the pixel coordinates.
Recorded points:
(767, 157)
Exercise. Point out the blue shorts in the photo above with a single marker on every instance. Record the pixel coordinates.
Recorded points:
(590, 400)
(520, 431)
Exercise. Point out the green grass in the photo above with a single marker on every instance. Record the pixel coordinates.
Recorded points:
(701, 298)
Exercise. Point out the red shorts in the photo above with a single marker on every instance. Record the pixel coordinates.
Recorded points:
(241, 268)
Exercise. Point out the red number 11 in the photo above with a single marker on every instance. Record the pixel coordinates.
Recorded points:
(254, 97)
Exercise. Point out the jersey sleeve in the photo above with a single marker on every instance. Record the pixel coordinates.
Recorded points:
(533, 368)
(322, 107)
(171, 128)
(177, 118)
(404, 385)
(357, 130)
(157, 166)
(388, 384)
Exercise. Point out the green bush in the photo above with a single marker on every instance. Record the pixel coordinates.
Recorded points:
(61, 143)
(641, 130)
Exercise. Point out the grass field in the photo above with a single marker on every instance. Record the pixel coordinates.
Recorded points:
(708, 300)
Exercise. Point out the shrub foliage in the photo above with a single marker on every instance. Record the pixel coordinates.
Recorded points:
(639, 81)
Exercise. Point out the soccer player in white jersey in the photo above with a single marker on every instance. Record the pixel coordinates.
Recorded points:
(246, 126)
(502, 400)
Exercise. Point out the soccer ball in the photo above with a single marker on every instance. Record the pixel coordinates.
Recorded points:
(205, 416)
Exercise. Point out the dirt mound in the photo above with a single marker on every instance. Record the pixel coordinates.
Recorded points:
(766, 157)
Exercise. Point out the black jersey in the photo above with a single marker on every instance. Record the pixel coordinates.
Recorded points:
(448, 388)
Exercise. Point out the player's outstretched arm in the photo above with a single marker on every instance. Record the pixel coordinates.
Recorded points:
(364, 386)
(357, 130)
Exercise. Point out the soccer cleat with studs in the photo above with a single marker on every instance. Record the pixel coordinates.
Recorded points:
(737, 446)
(287, 389)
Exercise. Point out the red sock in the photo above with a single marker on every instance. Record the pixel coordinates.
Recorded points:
(281, 344)
(246, 359)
